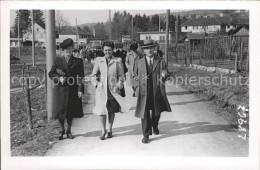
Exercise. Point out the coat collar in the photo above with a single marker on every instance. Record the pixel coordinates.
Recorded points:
(113, 59)
(156, 60)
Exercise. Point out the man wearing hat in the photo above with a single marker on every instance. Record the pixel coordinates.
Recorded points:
(67, 73)
(150, 72)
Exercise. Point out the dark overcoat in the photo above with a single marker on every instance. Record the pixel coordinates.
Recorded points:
(160, 99)
(69, 105)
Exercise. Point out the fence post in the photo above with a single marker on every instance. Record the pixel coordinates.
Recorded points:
(23, 78)
(235, 62)
(28, 105)
(45, 85)
(189, 51)
(201, 51)
(241, 55)
(185, 55)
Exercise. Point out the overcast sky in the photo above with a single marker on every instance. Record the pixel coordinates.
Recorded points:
(93, 16)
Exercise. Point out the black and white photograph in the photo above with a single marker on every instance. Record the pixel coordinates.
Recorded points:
(115, 84)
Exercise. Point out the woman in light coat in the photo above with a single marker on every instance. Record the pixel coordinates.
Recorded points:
(108, 77)
(130, 60)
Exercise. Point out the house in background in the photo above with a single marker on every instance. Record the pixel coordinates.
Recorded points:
(206, 25)
(126, 38)
(241, 30)
(14, 42)
(80, 35)
(157, 36)
(39, 35)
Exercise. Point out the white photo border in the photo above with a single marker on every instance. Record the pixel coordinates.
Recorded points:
(251, 162)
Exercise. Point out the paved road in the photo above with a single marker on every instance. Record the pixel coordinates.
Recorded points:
(191, 129)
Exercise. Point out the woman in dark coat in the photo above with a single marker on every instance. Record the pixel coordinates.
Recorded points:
(67, 73)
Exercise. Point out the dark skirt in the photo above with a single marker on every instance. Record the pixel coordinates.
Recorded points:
(112, 106)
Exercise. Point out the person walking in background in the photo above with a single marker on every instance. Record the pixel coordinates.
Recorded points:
(130, 60)
(150, 72)
(108, 77)
(67, 73)
(158, 52)
(121, 54)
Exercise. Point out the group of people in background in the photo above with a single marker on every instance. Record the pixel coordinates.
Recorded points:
(142, 67)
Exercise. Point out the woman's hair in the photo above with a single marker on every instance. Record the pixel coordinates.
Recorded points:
(109, 44)
(134, 46)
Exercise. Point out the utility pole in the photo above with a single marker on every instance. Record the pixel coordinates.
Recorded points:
(77, 36)
(19, 49)
(110, 26)
(159, 24)
(176, 37)
(52, 102)
(132, 28)
(167, 38)
(33, 56)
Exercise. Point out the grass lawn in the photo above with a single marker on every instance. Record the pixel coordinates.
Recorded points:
(228, 96)
(25, 142)
(36, 142)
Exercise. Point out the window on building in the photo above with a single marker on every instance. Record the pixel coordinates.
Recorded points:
(162, 39)
(148, 37)
(186, 27)
(37, 29)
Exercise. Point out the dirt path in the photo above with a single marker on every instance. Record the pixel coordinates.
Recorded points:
(191, 129)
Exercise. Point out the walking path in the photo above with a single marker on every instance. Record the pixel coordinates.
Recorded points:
(192, 129)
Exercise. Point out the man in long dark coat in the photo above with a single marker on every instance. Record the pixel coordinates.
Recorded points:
(150, 72)
(67, 73)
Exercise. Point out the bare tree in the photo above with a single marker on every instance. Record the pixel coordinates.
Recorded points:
(61, 22)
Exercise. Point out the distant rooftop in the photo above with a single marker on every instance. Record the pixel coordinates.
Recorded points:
(72, 31)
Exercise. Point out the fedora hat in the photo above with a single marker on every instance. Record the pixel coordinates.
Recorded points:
(147, 43)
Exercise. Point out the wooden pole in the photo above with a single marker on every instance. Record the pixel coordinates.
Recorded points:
(132, 28)
(50, 56)
(241, 55)
(167, 38)
(19, 48)
(176, 38)
(110, 26)
(159, 23)
(33, 55)
(23, 77)
(28, 105)
(77, 37)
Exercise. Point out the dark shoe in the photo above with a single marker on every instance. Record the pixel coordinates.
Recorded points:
(102, 136)
(69, 135)
(145, 139)
(109, 135)
(156, 131)
(62, 132)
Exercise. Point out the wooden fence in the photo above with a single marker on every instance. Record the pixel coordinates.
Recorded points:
(27, 88)
(231, 52)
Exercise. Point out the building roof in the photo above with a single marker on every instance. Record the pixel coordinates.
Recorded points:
(238, 28)
(72, 31)
(204, 22)
(153, 32)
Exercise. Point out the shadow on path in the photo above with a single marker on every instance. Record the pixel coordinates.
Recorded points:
(167, 129)
(178, 93)
(179, 103)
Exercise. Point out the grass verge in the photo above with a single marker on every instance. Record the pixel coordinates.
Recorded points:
(225, 93)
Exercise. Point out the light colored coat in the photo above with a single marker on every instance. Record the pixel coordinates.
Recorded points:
(160, 99)
(109, 75)
(130, 61)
